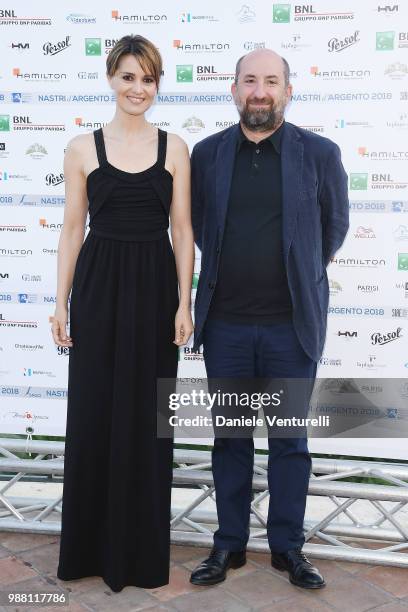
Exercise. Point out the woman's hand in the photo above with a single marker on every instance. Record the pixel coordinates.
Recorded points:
(59, 327)
(183, 326)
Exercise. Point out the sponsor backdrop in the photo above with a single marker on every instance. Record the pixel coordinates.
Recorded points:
(349, 69)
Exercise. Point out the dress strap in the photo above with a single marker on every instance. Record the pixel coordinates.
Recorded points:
(162, 148)
(100, 146)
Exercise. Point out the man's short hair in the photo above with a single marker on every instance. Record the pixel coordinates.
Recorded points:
(286, 70)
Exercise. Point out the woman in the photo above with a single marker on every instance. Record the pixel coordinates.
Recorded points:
(127, 320)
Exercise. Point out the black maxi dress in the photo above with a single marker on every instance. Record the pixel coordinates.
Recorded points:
(117, 473)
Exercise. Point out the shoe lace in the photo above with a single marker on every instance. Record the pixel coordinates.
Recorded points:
(301, 556)
(214, 555)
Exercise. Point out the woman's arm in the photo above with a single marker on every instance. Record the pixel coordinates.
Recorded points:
(182, 235)
(72, 234)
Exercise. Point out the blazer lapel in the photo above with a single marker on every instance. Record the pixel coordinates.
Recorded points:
(223, 173)
(292, 169)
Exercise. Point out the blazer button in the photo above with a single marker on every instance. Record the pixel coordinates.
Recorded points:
(211, 284)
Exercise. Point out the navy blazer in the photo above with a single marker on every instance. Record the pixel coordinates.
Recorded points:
(315, 220)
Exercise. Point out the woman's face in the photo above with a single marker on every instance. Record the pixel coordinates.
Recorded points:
(135, 89)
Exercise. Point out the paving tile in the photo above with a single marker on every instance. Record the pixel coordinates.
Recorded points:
(160, 607)
(81, 585)
(37, 585)
(129, 599)
(404, 601)
(260, 559)
(16, 542)
(353, 568)
(183, 554)
(246, 570)
(43, 559)
(13, 570)
(392, 607)
(4, 552)
(354, 595)
(262, 588)
(179, 583)
(213, 599)
(354, 587)
(391, 579)
(302, 602)
(73, 606)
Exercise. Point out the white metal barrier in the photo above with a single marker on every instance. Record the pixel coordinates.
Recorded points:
(332, 536)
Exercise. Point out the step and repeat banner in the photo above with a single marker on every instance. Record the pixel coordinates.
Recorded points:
(349, 70)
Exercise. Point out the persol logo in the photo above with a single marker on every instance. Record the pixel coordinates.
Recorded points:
(54, 48)
(338, 44)
(54, 179)
(381, 339)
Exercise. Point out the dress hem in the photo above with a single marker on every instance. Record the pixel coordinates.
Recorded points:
(116, 589)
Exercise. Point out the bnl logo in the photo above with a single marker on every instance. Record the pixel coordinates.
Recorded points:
(281, 12)
(195, 281)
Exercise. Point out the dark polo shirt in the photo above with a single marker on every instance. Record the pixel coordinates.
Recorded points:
(252, 285)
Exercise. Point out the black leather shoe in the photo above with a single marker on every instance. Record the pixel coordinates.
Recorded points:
(214, 569)
(301, 572)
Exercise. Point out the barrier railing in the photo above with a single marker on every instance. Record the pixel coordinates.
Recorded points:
(377, 532)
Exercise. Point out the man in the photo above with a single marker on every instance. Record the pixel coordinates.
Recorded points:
(270, 209)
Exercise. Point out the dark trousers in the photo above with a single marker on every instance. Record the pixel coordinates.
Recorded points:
(249, 351)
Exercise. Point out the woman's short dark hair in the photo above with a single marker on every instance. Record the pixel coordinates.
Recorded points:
(142, 49)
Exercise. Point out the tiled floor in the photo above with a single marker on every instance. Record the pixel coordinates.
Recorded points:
(28, 562)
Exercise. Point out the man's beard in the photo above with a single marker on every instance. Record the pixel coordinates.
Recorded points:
(262, 119)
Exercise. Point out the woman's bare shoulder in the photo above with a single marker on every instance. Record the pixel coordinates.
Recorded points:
(176, 144)
(81, 154)
(81, 144)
